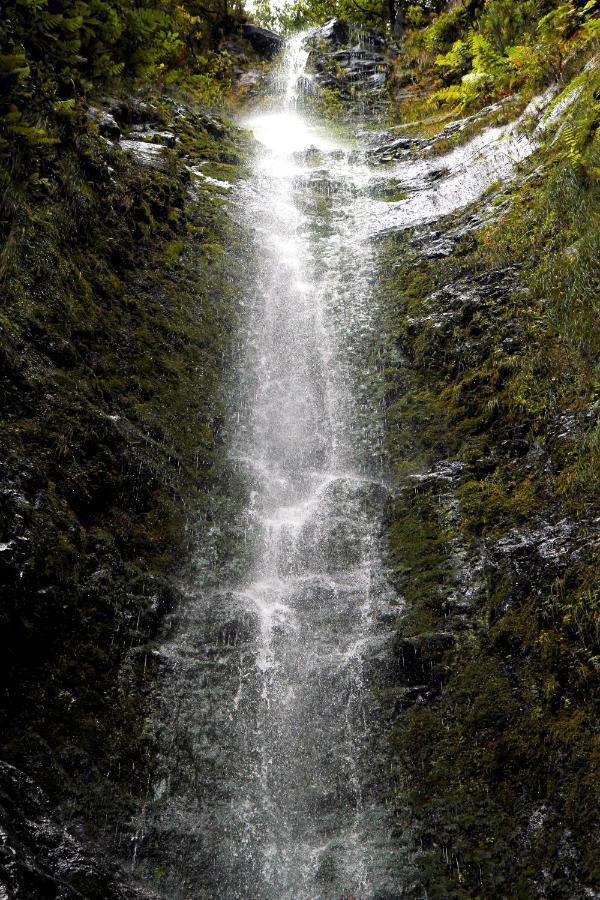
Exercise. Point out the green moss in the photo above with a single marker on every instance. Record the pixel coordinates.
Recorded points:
(499, 766)
(115, 341)
(489, 504)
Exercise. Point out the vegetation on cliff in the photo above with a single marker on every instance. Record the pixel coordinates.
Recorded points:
(55, 55)
(477, 52)
(492, 396)
(119, 302)
(493, 434)
(115, 328)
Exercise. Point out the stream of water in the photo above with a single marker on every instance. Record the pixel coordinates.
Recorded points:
(272, 782)
(306, 823)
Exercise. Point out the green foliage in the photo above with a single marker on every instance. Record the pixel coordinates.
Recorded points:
(415, 15)
(14, 75)
(484, 51)
(505, 22)
(445, 28)
(374, 13)
(458, 60)
(53, 53)
(487, 59)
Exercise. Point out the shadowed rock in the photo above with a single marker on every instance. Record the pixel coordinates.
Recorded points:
(39, 857)
(334, 32)
(265, 42)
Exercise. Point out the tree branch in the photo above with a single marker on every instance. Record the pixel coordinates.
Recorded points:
(369, 12)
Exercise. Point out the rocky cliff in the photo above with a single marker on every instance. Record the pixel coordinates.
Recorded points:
(121, 295)
(119, 302)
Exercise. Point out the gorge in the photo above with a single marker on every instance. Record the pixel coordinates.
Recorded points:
(301, 477)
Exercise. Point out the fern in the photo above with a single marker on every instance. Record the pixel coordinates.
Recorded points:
(578, 135)
(572, 139)
(486, 59)
(591, 29)
(458, 59)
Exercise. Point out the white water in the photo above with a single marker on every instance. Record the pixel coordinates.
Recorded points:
(306, 820)
(271, 782)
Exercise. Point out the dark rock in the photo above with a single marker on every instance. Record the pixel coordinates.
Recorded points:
(370, 37)
(357, 59)
(552, 544)
(263, 41)
(131, 111)
(415, 695)
(418, 655)
(436, 174)
(107, 124)
(447, 472)
(593, 413)
(335, 32)
(250, 79)
(432, 244)
(236, 51)
(390, 147)
(348, 59)
(39, 857)
(376, 82)
(214, 127)
(535, 556)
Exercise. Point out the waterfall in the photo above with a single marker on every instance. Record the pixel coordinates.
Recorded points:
(271, 776)
(305, 823)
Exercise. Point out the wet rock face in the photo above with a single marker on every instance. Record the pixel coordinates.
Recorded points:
(107, 124)
(348, 60)
(333, 33)
(39, 857)
(529, 558)
(133, 126)
(145, 153)
(263, 41)
(416, 656)
(151, 136)
(390, 145)
(480, 543)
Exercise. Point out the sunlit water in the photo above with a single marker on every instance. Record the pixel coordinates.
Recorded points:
(271, 783)
(306, 822)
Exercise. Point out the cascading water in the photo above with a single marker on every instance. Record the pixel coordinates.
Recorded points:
(304, 823)
(267, 783)
(271, 777)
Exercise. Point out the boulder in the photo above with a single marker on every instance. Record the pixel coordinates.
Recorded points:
(250, 79)
(335, 32)
(151, 136)
(349, 60)
(263, 41)
(131, 111)
(146, 154)
(106, 122)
